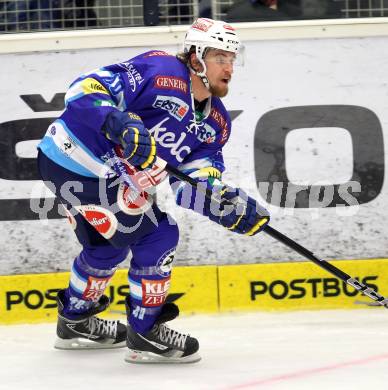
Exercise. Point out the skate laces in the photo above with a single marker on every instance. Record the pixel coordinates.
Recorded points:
(171, 337)
(102, 327)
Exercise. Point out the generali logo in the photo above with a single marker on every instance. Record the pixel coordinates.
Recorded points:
(221, 121)
(171, 82)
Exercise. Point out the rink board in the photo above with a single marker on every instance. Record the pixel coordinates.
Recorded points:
(206, 289)
(31, 298)
(292, 286)
(310, 121)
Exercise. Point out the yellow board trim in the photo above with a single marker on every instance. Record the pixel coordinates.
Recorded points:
(31, 298)
(209, 289)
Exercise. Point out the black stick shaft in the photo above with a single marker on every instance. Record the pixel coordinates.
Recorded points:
(369, 292)
(306, 253)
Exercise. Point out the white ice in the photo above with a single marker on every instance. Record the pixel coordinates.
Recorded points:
(317, 350)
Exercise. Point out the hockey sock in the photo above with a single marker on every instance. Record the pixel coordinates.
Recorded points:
(149, 275)
(147, 296)
(87, 282)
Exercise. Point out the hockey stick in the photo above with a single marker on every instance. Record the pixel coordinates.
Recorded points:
(369, 292)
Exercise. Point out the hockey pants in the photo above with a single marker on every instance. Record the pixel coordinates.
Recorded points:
(109, 224)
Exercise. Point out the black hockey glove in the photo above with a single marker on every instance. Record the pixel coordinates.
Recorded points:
(239, 212)
(127, 129)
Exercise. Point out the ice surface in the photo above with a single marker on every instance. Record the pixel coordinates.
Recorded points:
(318, 350)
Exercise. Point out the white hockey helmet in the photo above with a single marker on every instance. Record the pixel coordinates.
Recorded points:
(212, 34)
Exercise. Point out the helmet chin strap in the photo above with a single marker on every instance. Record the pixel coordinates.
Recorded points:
(201, 75)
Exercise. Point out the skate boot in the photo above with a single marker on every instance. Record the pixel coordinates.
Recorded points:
(161, 344)
(88, 331)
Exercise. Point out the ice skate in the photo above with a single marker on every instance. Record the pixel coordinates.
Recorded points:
(88, 331)
(162, 344)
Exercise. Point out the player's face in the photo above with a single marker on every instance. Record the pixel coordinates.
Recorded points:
(219, 65)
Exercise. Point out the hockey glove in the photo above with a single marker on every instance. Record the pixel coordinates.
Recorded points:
(127, 129)
(239, 212)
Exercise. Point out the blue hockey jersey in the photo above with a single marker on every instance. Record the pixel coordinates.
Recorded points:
(157, 87)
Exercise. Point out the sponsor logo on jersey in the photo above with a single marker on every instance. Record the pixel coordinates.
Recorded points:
(168, 139)
(95, 288)
(164, 264)
(134, 77)
(175, 106)
(90, 85)
(203, 131)
(100, 218)
(154, 292)
(144, 179)
(131, 202)
(171, 82)
(151, 177)
(202, 24)
(194, 125)
(104, 103)
(156, 53)
(206, 134)
(221, 121)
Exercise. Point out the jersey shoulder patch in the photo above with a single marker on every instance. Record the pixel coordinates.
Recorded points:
(220, 118)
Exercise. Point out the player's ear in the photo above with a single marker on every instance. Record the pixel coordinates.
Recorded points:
(195, 64)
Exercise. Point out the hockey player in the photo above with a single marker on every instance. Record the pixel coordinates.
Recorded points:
(117, 121)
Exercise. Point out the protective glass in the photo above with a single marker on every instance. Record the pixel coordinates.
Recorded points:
(222, 57)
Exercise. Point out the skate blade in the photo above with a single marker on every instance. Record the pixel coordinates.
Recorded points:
(82, 343)
(145, 357)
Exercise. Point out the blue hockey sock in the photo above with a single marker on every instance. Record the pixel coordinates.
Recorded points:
(87, 282)
(147, 297)
(149, 275)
